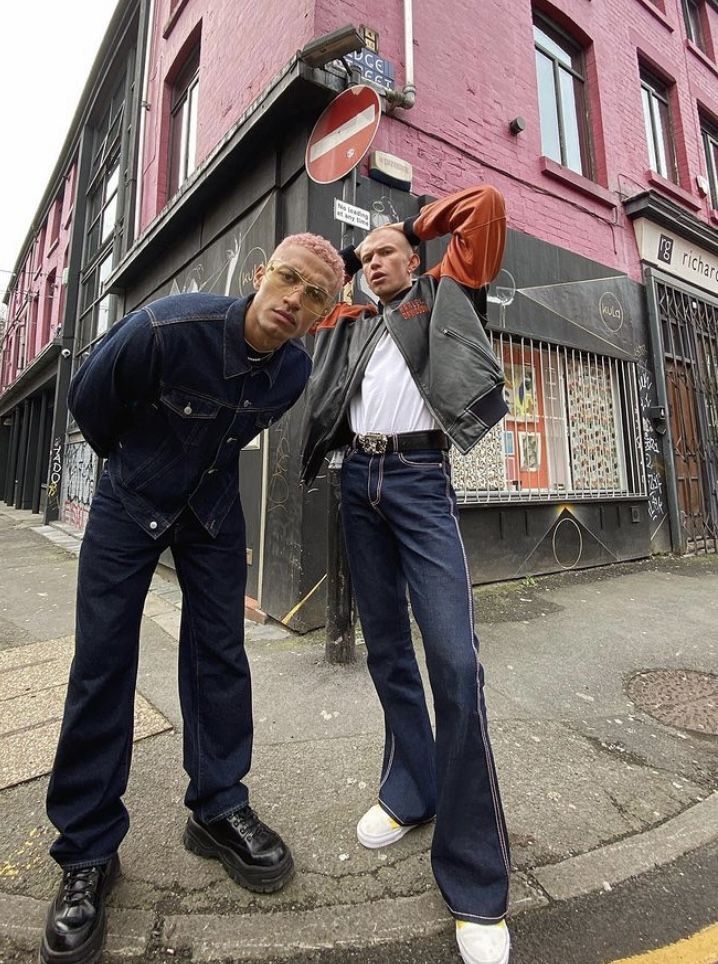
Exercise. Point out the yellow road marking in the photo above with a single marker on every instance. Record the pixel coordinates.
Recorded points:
(701, 948)
(293, 612)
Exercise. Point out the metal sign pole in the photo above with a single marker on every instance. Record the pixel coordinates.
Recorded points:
(340, 635)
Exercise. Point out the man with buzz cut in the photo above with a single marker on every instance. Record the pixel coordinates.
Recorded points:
(392, 388)
(169, 397)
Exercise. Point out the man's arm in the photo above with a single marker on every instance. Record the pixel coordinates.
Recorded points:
(122, 372)
(342, 309)
(476, 220)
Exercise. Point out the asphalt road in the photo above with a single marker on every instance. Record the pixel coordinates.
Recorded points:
(652, 911)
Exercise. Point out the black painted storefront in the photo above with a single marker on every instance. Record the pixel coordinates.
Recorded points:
(230, 221)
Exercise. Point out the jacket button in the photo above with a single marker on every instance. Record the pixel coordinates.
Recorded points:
(247, 403)
(188, 409)
(153, 524)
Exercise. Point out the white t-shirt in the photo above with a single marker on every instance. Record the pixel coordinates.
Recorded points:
(387, 399)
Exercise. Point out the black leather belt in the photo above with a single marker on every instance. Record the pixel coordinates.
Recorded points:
(375, 443)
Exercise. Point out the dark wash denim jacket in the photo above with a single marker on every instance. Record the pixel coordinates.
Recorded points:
(169, 398)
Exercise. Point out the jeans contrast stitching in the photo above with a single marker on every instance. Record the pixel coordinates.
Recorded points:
(390, 763)
(195, 657)
(487, 754)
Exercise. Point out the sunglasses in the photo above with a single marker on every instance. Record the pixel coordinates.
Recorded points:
(283, 277)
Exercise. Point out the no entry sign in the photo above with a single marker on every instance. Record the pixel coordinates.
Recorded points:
(343, 134)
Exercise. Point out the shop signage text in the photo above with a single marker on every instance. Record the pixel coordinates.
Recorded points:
(675, 255)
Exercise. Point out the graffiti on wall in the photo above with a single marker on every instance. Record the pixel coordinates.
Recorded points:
(228, 266)
(652, 456)
(55, 474)
(80, 475)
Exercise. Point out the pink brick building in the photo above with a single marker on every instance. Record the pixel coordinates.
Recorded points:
(599, 122)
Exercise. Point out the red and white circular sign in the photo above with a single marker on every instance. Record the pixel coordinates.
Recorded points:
(343, 134)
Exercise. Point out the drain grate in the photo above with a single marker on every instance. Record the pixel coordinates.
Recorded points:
(678, 697)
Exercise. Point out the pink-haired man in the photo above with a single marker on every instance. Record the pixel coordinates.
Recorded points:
(168, 398)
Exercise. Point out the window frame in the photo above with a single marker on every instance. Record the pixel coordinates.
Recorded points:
(709, 135)
(103, 224)
(654, 92)
(56, 219)
(694, 23)
(578, 74)
(183, 119)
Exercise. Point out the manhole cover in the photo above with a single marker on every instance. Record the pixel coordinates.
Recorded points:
(678, 697)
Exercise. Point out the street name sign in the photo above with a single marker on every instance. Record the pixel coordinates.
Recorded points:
(374, 69)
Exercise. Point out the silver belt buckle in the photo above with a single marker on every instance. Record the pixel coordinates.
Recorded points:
(373, 443)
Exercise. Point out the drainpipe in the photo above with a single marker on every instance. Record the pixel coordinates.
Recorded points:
(405, 98)
(144, 107)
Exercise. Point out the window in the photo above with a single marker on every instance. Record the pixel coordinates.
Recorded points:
(710, 145)
(39, 251)
(56, 217)
(103, 225)
(659, 137)
(47, 307)
(573, 429)
(562, 98)
(97, 310)
(693, 16)
(183, 123)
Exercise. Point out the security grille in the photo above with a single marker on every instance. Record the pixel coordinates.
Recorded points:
(573, 430)
(690, 342)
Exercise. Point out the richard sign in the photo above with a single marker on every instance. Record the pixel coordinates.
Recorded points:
(676, 256)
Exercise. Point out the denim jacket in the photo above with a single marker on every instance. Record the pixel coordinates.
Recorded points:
(169, 398)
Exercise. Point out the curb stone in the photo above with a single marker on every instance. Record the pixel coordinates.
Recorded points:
(263, 937)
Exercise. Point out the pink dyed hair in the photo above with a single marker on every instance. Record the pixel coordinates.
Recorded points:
(322, 248)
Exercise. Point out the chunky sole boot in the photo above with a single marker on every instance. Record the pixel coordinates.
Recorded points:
(91, 949)
(261, 880)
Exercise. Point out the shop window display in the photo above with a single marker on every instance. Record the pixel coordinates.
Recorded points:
(571, 429)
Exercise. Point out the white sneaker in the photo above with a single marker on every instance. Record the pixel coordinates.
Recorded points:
(483, 943)
(377, 829)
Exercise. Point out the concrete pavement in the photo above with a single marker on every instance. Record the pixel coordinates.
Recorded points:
(595, 789)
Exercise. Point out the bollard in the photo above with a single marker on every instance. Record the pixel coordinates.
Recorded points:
(340, 637)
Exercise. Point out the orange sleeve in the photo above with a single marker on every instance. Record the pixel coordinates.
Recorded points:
(476, 220)
(340, 310)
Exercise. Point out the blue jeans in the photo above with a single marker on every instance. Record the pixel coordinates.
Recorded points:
(92, 764)
(402, 531)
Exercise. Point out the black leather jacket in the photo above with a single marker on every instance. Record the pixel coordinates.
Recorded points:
(434, 325)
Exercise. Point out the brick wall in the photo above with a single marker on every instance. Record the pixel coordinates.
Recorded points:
(36, 298)
(243, 45)
(475, 70)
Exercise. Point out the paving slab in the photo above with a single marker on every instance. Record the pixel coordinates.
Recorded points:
(628, 858)
(33, 684)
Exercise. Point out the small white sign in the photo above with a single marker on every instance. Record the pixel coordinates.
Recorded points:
(350, 214)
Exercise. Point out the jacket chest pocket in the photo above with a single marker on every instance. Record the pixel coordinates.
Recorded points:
(189, 415)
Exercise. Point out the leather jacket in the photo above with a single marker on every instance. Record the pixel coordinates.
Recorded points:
(435, 326)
